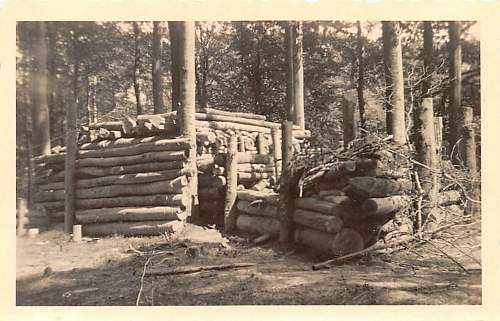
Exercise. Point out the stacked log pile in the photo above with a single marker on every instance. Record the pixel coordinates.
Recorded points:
(136, 167)
(357, 196)
(257, 212)
(130, 186)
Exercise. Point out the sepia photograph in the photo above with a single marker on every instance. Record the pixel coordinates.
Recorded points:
(238, 162)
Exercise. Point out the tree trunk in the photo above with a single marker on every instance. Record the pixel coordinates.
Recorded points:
(186, 112)
(298, 77)
(157, 69)
(232, 184)
(40, 121)
(349, 122)
(428, 58)
(137, 75)
(173, 28)
(425, 145)
(455, 77)
(393, 63)
(361, 80)
(289, 36)
(51, 81)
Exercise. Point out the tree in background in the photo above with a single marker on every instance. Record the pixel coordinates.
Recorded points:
(175, 71)
(40, 136)
(393, 62)
(361, 77)
(455, 78)
(137, 70)
(157, 76)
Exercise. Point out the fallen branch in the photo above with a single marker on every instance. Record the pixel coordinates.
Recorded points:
(142, 282)
(187, 270)
(427, 236)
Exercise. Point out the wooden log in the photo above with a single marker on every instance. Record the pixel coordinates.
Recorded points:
(177, 144)
(232, 184)
(318, 221)
(317, 205)
(187, 270)
(259, 209)
(347, 241)
(175, 186)
(207, 180)
(120, 214)
(367, 187)
(177, 200)
(258, 197)
(146, 228)
(257, 224)
(122, 142)
(245, 158)
(260, 185)
(350, 167)
(134, 159)
(259, 168)
(219, 125)
(232, 114)
(382, 206)
(250, 177)
(449, 197)
(124, 179)
(236, 120)
(276, 150)
(320, 241)
(129, 169)
(331, 192)
(261, 144)
(241, 143)
(109, 125)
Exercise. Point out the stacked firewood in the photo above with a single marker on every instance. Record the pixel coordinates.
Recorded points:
(257, 212)
(245, 124)
(130, 186)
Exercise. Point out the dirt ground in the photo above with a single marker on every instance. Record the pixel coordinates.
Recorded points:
(54, 271)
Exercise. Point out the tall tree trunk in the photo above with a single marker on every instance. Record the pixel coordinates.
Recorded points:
(157, 69)
(455, 76)
(361, 80)
(186, 112)
(76, 63)
(51, 82)
(257, 73)
(289, 70)
(428, 57)
(175, 56)
(40, 137)
(137, 56)
(393, 63)
(298, 77)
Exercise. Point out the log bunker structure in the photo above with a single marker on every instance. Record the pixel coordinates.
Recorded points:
(132, 176)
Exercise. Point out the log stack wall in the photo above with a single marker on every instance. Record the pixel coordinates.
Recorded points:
(135, 171)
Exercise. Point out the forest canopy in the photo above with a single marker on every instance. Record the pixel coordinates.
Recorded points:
(240, 66)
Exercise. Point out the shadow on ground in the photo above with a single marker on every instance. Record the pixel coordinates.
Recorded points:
(53, 271)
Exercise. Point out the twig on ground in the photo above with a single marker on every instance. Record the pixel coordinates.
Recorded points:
(142, 282)
(187, 270)
(446, 254)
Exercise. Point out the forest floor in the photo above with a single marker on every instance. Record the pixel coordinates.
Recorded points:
(54, 271)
